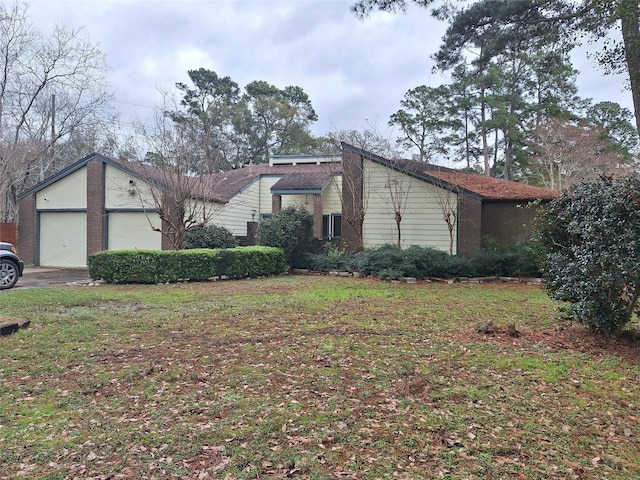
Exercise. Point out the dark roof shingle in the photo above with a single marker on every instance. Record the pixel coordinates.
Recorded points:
(488, 188)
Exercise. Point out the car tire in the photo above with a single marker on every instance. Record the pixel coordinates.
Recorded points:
(9, 274)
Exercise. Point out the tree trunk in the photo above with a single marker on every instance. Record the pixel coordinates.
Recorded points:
(485, 144)
(466, 138)
(508, 153)
(629, 13)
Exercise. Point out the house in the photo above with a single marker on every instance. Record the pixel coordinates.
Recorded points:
(451, 210)
(100, 203)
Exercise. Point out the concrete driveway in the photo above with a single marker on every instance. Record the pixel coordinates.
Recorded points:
(48, 276)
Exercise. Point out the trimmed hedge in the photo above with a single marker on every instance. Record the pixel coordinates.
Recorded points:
(155, 266)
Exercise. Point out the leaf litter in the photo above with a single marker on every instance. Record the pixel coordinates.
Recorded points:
(376, 384)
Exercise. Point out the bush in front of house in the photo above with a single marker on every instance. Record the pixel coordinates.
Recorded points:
(209, 236)
(330, 259)
(154, 266)
(390, 262)
(519, 260)
(292, 231)
(589, 240)
(124, 266)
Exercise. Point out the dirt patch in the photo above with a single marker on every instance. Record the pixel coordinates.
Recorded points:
(575, 338)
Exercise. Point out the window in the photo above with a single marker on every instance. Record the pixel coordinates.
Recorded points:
(336, 224)
(332, 225)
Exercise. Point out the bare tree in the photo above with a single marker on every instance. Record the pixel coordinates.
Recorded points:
(568, 152)
(447, 199)
(355, 186)
(48, 88)
(397, 190)
(173, 189)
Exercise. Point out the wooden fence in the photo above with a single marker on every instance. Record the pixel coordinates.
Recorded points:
(8, 233)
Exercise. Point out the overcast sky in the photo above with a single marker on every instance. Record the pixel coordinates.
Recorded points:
(355, 71)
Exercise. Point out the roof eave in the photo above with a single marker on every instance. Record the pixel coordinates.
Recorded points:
(295, 191)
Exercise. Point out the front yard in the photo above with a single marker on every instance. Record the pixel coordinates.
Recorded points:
(311, 377)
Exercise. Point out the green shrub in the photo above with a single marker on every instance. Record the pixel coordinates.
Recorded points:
(589, 239)
(210, 236)
(457, 266)
(388, 261)
(253, 261)
(153, 266)
(335, 259)
(291, 230)
(515, 261)
(125, 266)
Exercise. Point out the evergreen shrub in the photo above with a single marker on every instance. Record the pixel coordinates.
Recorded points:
(153, 266)
(589, 242)
(519, 260)
(209, 236)
(292, 231)
(390, 262)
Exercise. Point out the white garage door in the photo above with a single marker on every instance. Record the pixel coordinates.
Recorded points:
(132, 231)
(63, 239)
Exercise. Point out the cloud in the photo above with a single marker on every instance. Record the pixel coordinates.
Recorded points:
(355, 71)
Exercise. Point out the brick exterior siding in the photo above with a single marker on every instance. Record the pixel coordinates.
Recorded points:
(469, 225)
(276, 204)
(351, 199)
(507, 223)
(95, 206)
(317, 216)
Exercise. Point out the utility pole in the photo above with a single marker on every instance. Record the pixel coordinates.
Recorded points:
(53, 124)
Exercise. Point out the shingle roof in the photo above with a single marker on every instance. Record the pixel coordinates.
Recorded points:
(307, 177)
(222, 187)
(493, 188)
(488, 188)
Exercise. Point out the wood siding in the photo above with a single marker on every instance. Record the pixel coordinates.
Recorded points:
(67, 193)
(120, 194)
(332, 196)
(235, 214)
(422, 217)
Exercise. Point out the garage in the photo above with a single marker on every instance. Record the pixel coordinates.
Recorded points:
(133, 231)
(63, 239)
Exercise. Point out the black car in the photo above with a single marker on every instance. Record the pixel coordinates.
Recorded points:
(11, 266)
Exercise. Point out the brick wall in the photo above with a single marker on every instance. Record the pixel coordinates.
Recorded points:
(352, 178)
(469, 225)
(276, 204)
(95, 206)
(317, 216)
(507, 223)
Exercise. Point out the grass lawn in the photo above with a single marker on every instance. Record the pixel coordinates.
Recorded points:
(311, 377)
